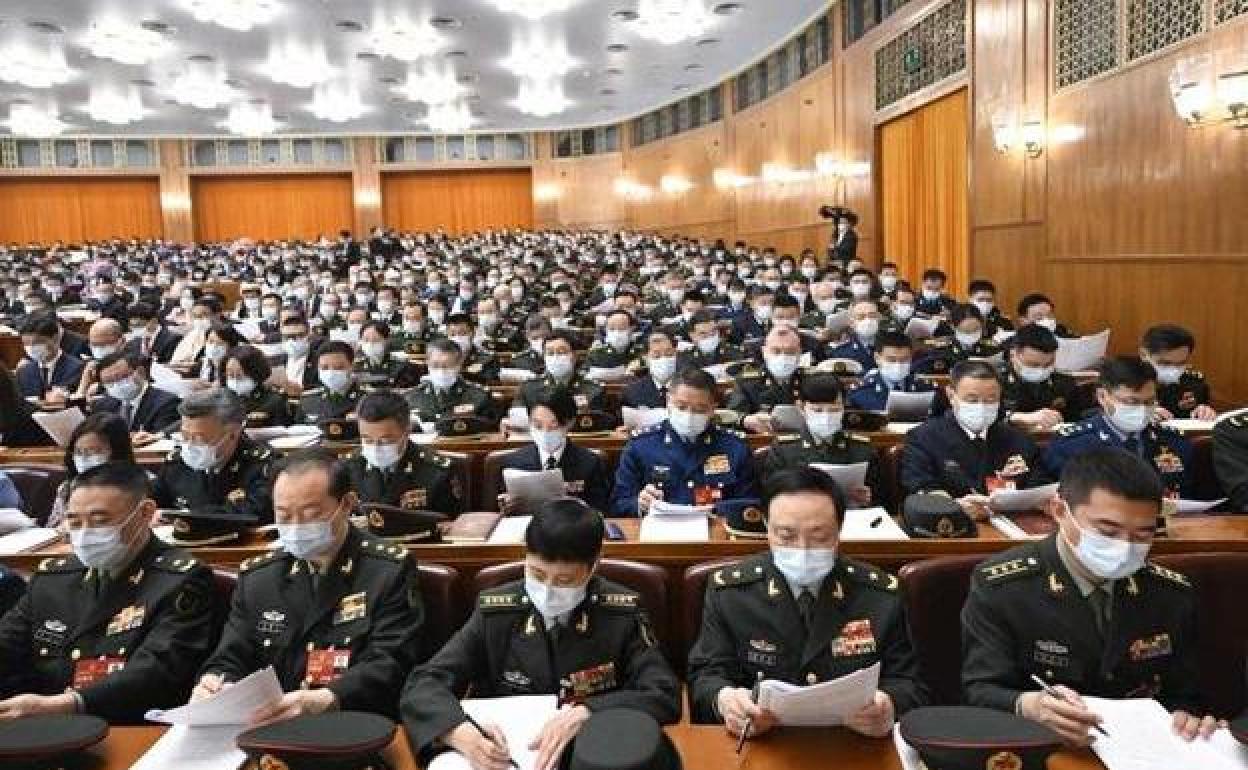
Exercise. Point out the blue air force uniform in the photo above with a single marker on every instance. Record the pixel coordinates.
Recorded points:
(872, 393)
(855, 350)
(717, 466)
(1161, 447)
(939, 456)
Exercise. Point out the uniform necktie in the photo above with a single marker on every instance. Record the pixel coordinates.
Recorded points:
(1099, 601)
(551, 463)
(806, 607)
(126, 412)
(1132, 444)
(47, 379)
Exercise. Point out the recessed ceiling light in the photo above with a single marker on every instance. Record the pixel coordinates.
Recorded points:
(143, 83)
(468, 78)
(388, 80)
(159, 27)
(613, 71)
(617, 47)
(46, 27)
(457, 54)
(691, 66)
(727, 9)
(708, 41)
(625, 15)
(367, 56)
(445, 22)
(349, 25)
(201, 58)
(235, 83)
(608, 92)
(681, 87)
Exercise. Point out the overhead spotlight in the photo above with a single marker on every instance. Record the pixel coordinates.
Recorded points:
(297, 65)
(238, 15)
(39, 64)
(337, 101)
(113, 105)
(251, 119)
(533, 9)
(430, 86)
(541, 98)
(539, 59)
(405, 40)
(29, 120)
(116, 40)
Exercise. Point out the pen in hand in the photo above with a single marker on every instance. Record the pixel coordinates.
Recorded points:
(1055, 694)
(749, 721)
(488, 737)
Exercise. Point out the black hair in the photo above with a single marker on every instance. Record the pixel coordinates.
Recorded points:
(962, 312)
(1126, 371)
(317, 458)
(559, 401)
(785, 300)
(1163, 337)
(632, 320)
(334, 347)
(1113, 470)
(143, 311)
(980, 284)
(43, 325)
(893, 339)
(693, 377)
(703, 316)
(133, 358)
(115, 432)
(381, 327)
(1036, 337)
(455, 319)
(384, 405)
(252, 361)
(821, 389)
(974, 369)
(293, 319)
(126, 476)
(565, 530)
(226, 333)
(445, 345)
(562, 335)
(803, 479)
(933, 274)
(1031, 300)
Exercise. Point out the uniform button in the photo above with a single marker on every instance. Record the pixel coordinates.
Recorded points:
(346, 641)
(268, 642)
(691, 485)
(43, 650)
(75, 654)
(811, 678)
(122, 652)
(311, 646)
(1048, 674)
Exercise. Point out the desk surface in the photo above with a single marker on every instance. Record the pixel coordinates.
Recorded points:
(702, 747)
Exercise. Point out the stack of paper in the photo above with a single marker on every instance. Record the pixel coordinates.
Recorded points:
(195, 748)
(518, 418)
(280, 431)
(1140, 737)
(838, 322)
(1006, 526)
(59, 425)
(24, 540)
(871, 524)
(909, 755)
(1081, 353)
(640, 419)
(521, 719)
(168, 380)
(847, 477)
(510, 530)
(530, 489)
(909, 407)
(608, 373)
(233, 705)
(1018, 500)
(672, 523)
(828, 704)
(13, 520)
(921, 328)
(1190, 426)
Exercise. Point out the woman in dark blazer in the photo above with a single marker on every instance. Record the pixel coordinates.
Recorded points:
(246, 371)
(17, 429)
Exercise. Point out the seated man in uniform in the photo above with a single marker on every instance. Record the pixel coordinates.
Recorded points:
(376, 366)
(968, 342)
(336, 613)
(560, 363)
(390, 469)
(1230, 457)
(968, 452)
(560, 631)
(894, 359)
(584, 472)
(709, 346)
(1182, 392)
(983, 295)
(822, 440)
(480, 365)
(859, 345)
(1083, 611)
(755, 393)
(1039, 309)
(1036, 396)
(444, 393)
(339, 392)
(649, 390)
(620, 345)
(1128, 398)
(216, 463)
(118, 626)
(47, 372)
(685, 459)
(801, 613)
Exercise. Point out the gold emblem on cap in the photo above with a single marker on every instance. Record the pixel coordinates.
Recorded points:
(752, 515)
(1004, 760)
(460, 426)
(270, 762)
(236, 496)
(944, 527)
(181, 526)
(335, 429)
(376, 520)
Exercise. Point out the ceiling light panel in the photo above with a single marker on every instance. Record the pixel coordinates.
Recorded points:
(406, 40)
(238, 15)
(533, 9)
(115, 105)
(126, 43)
(38, 63)
(297, 64)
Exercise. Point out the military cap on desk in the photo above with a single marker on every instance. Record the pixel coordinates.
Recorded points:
(743, 517)
(966, 738)
(35, 743)
(337, 740)
(208, 524)
(594, 422)
(402, 525)
(339, 429)
(924, 515)
(841, 366)
(860, 420)
(464, 425)
(621, 739)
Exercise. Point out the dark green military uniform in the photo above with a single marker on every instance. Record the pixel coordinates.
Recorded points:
(1230, 457)
(529, 360)
(481, 367)
(1027, 616)
(126, 642)
(324, 404)
(1060, 393)
(266, 408)
(752, 628)
(354, 629)
(241, 484)
(757, 391)
(843, 449)
(463, 399)
(508, 337)
(605, 657)
(942, 354)
(422, 480)
(724, 354)
(589, 395)
(386, 373)
(411, 343)
(602, 356)
(1182, 397)
(817, 320)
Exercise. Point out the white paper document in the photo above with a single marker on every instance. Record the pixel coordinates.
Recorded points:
(921, 328)
(510, 530)
(871, 524)
(673, 523)
(31, 539)
(59, 425)
(194, 748)
(532, 488)
(1140, 737)
(828, 704)
(1196, 506)
(1019, 500)
(233, 705)
(520, 718)
(608, 373)
(640, 419)
(837, 322)
(517, 418)
(167, 379)
(509, 375)
(847, 477)
(909, 755)
(13, 519)
(250, 330)
(1081, 353)
(280, 431)
(1006, 526)
(1190, 426)
(909, 407)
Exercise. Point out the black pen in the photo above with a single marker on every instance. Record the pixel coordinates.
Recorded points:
(487, 736)
(877, 521)
(1055, 694)
(749, 721)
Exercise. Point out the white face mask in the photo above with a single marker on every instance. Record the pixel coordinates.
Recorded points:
(867, 327)
(888, 282)
(824, 425)
(560, 366)
(335, 379)
(381, 456)
(709, 344)
(295, 348)
(806, 567)
(124, 390)
(100, 351)
(1048, 323)
(860, 289)
(443, 378)
(306, 540)
(1130, 418)
(688, 425)
(931, 294)
(39, 353)
(243, 386)
(464, 341)
(977, 418)
(1034, 373)
(215, 353)
(895, 371)
(102, 547)
(1169, 375)
(663, 368)
(736, 297)
(618, 338)
(903, 312)
(201, 457)
(385, 308)
(413, 327)
(984, 306)
(202, 324)
(968, 339)
(270, 313)
(553, 601)
(549, 441)
(781, 366)
(373, 349)
(86, 461)
(1106, 557)
(763, 312)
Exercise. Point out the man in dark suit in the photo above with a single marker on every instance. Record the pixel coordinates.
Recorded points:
(585, 472)
(151, 338)
(106, 301)
(46, 367)
(845, 248)
(146, 409)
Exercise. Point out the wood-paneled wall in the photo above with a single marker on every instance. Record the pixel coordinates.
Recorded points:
(458, 201)
(72, 209)
(266, 207)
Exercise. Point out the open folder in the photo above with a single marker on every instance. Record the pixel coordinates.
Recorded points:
(827, 704)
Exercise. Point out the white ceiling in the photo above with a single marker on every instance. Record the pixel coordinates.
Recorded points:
(650, 76)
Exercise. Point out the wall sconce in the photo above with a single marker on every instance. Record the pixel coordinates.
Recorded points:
(1201, 99)
(546, 193)
(368, 199)
(1004, 137)
(1033, 138)
(724, 179)
(173, 201)
(627, 188)
(674, 185)
(777, 173)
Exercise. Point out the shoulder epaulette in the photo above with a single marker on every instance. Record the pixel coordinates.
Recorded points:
(174, 562)
(1169, 575)
(312, 392)
(260, 451)
(436, 458)
(738, 575)
(1003, 571)
(859, 438)
(58, 564)
(869, 576)
(1235, 419)
(1196, 374)
(382, 549)
(624, 602)
(257, 561)
(502, 601)
(1074, 428)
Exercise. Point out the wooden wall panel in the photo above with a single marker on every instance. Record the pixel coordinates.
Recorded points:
(458, 201)
(75, 209)
(585, 195)
(271, 206)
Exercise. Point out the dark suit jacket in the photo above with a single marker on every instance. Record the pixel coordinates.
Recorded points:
(156, 412)
(162, 347)
(65, 374)
(846, 249)
(74, 344)
(642, 393)
(580, 467)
